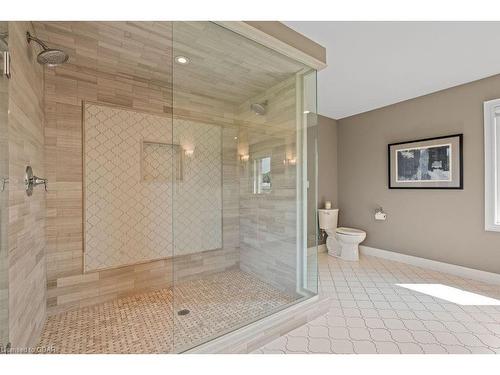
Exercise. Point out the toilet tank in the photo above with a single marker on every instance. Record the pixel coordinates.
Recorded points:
(328, 218)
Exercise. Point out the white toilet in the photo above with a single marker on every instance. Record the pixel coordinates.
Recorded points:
(341, 242)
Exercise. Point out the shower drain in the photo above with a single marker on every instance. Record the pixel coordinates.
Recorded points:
(183, 312)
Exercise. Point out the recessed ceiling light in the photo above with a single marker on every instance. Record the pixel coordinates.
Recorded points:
(183, 60)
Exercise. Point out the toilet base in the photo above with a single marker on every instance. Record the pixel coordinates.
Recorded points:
(333, 246)
(345, 251)
(350, 252)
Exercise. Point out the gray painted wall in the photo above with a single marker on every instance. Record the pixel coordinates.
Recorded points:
(443, 225)
(327, 161)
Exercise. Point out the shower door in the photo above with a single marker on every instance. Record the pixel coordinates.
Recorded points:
(243, 123)
(4, 192)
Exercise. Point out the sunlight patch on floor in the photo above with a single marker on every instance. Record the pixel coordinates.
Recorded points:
(448, 293)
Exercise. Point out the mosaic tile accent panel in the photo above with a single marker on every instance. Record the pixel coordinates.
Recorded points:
(198, 197)
(128, 211)
(126, 221)
(148, 322)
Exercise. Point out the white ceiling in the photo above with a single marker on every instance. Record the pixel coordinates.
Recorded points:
(374, 64)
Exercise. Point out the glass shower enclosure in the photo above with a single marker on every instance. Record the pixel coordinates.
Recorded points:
(181, 159)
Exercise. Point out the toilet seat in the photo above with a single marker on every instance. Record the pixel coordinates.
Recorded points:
(349, 231)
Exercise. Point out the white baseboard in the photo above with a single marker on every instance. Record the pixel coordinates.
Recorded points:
(467, 273)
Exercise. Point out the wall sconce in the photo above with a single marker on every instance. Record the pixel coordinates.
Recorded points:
(292, 161)
(244, 157)
(188, 153)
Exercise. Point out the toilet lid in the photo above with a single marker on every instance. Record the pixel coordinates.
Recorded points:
(349, 231)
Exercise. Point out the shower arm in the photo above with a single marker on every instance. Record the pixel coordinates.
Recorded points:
(30, 38)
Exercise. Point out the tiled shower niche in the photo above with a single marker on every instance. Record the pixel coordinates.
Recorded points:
(158, 161)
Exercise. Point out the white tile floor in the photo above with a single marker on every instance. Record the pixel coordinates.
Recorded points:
(369, 313)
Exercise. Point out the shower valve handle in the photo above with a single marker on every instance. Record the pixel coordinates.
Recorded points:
(31, 181)
(40, 181)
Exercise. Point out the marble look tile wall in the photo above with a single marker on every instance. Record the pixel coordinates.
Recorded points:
(4, 202)
(26, 232)
(268, 238)
(101, 69)
(106, 67)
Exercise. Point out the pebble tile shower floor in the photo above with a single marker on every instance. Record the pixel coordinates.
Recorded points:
(148, 323)
(370, 314)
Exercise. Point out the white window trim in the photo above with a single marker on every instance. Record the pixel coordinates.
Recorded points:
(491, 178)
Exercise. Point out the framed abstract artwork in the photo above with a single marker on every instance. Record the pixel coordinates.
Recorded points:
(431, 163)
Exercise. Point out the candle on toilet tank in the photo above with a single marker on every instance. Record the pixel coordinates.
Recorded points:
(328, 205)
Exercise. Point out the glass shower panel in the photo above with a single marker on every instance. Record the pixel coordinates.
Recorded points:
(310, 190)
(240, 210)
(4, 190)
(116, 175)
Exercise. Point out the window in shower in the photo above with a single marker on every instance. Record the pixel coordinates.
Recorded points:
(262, 175)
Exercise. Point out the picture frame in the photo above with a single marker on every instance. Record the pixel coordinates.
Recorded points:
(428, 163)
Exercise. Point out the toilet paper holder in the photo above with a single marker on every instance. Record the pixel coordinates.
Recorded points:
(380, 214)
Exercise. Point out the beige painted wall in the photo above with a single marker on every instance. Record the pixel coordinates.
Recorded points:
(443, 225)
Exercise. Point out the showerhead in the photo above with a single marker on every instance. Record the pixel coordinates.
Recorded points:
(52, 57)
(49, 56)
(259, 108)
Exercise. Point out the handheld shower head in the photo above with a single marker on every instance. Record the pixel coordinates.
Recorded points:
(49, 56)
